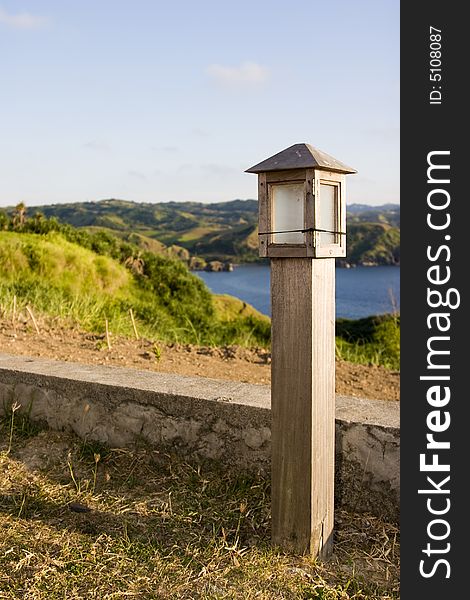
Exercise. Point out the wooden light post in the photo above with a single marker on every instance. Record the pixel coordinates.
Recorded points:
(302, 227)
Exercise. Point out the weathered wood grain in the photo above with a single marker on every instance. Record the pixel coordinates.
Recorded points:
(286, 250)
(282, 176)
(310, 210)
(264, 222)
(303, 317)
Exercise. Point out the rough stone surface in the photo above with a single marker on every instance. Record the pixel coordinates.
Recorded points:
(203, 418)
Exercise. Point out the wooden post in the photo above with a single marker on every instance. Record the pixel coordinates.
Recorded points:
(303, 404)
(303, 337)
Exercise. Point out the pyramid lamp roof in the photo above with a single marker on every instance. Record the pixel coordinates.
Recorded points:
(301, 156)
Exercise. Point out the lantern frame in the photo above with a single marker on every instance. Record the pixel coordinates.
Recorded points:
(302, 164)
(312, 246)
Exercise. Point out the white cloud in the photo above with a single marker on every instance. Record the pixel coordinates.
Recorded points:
(170, 149)
(246, 74)
(198, 132)
(97, 145)
(22, 20)
(138, 175)
(217, 170)
(385, 133)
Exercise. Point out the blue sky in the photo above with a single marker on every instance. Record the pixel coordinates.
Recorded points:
(155, 101)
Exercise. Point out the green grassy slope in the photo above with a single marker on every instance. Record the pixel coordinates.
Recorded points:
(63, 279)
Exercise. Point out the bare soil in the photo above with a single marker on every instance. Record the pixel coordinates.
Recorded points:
(235, 363)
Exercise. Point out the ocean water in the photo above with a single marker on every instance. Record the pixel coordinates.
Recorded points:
(360, 292)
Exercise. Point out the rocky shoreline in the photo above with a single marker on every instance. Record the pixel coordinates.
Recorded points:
(199, 264)
(215, 266)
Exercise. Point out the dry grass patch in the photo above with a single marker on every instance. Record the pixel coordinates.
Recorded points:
(79, 520)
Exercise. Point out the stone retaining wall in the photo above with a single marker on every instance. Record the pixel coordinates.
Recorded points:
(203, 419)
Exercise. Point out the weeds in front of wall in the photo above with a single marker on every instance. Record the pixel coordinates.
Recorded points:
(18, 424)
(14, 407)
(71, 472)
(154, 525)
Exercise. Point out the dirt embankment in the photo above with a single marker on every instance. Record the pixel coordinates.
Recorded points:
(233, 363)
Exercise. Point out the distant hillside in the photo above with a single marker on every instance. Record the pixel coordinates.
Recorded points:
(388, 214)
(373, 244)
(223, 231)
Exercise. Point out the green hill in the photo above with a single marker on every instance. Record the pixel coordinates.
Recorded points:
(224, 231)
(389, 214)
(203, 229)
(64, 279)
(373, 244)
(65, 266)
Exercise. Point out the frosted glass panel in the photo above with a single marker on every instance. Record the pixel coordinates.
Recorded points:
(288, 209)
(327, 218)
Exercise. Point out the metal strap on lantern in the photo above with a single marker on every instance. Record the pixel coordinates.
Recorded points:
(309, 229)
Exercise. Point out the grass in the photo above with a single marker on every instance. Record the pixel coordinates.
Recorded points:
(238, 323)
(62, 279)
(159, 527)
(372, 340)
(17, 423)
(197, 232)
(228, 308)
(88, 285)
